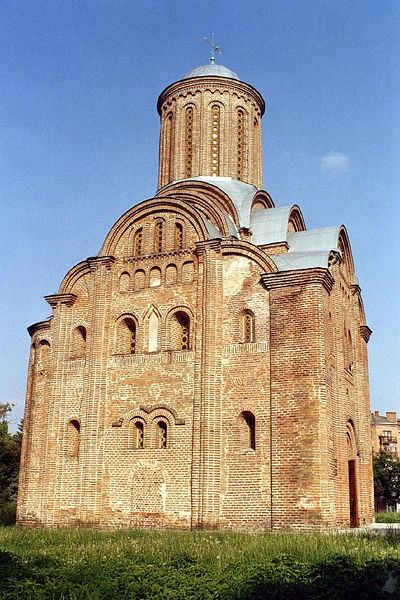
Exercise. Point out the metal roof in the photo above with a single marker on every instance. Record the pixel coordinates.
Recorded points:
(312, 240)
(213, 70)
(240, 193)
(269, 225)
(301, 260)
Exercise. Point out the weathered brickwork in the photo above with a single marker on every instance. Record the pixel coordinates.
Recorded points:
(208, 369)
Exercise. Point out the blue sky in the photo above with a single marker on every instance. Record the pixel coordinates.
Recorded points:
(79, 137)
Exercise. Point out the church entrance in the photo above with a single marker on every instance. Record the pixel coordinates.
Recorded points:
(353, 494)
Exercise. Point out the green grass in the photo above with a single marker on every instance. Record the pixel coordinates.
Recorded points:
(387, 517)
(89, 564)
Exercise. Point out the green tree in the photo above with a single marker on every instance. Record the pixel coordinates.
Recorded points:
(386, 479)
(10, 449)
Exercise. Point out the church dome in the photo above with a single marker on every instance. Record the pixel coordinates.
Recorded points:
(211, 70)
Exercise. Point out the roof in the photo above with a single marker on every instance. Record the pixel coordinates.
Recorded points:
(311, 240)
(211, 70)
(240, 193)
(269, 225)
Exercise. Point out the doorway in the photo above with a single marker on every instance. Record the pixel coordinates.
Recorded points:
(353, 494)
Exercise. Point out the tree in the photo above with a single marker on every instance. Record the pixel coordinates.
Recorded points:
(386, 479)
(10, 449)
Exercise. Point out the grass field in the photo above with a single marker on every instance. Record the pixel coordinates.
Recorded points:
(89, 564)
(387, 517)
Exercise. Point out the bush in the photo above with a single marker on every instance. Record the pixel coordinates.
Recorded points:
(387, 517)
(8, 513)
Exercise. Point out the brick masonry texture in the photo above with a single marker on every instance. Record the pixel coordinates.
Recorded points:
(183, 381)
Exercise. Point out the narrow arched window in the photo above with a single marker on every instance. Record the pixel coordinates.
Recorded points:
(162, 434)
(180, 331)
(169, 147)
(139, 435)
(248, 327)
(79, 342)
(124, 282)
(126, 336)
(215, 139)
(188, 141)
(240, 134)
(138, 242)
(152, 332)
(247, 424)
(178, 236)
(158, 237)
(184, 323)
(73, 438)
(43, 354)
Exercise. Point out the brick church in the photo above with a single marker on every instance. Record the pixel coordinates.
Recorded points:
(208, 368)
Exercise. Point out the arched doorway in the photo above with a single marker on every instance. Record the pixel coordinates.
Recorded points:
(352, 473)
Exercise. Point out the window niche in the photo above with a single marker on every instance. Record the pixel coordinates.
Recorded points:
(124, 281)
(180, 331)
(158, 237)
(162, 435)
(78, 342)
(248, 327)
(125, 336)
(73, 438)
(247, 431)
(178, 236)
(138, 435)
(138, 242)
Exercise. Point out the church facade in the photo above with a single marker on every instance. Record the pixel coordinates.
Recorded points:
(208, 368)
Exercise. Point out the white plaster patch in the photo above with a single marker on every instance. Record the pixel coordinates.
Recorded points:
(305, 503)
(235, 272)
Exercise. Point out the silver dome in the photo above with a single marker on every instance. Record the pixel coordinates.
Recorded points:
(213, 70)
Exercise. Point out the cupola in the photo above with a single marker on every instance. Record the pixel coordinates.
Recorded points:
(210, 126)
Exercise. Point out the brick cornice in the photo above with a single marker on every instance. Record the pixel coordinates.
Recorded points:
(40, 326)
(95, 262)
(275, 247)
(365, 332)
(300, 277)
(201, 247)
(55, 299)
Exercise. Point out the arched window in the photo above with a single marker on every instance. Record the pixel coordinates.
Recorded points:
(153, 327)
(240, 132)
(180, 331)
(188, 141)
(79, 342)
(126, 336)
(43, 358)
(124, 282)
(169, 149)
(139, 279)
(171, 274)
(138, 242)
(162, 434)
(155, 277)
(248, 327)
(73, 438)
(247, 425)
(139, 435)
(178, 236)
(215, 139)
(158, 237)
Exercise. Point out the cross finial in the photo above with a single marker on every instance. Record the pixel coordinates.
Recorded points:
(214, 48)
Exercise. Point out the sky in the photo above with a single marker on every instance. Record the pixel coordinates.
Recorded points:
(79, 137)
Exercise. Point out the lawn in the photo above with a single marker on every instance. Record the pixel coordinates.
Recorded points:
(90, 564)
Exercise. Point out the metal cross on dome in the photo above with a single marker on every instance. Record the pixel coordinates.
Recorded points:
(214, 48)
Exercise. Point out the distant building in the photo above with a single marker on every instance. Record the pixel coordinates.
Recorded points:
(385, 432)
(208, 368)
